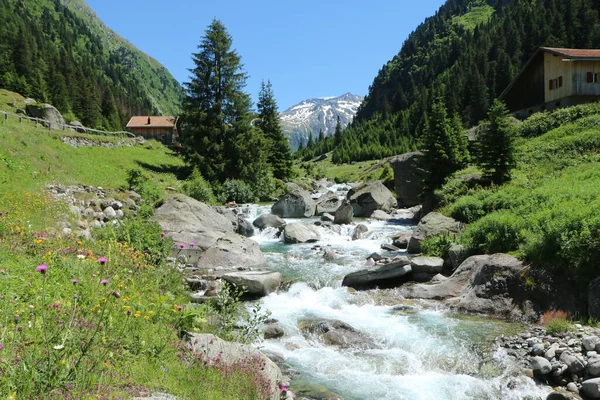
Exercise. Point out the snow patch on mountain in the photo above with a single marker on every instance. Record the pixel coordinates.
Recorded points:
(310, 116)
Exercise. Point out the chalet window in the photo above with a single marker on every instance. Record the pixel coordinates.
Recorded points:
(593, 77)
(556, 83)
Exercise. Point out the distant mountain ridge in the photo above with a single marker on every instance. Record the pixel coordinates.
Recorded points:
(309, 116)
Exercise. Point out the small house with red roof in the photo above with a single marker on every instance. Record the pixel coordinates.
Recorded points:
(163, 129)
(554, 78)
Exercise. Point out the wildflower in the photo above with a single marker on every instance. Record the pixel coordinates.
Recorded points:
(116, 294)
(59, 347)
(129, 312)
(1, 346)
(80, 256)
(162, 234)
(102, 260)
(179, 308)
(42, 269)
(75, 281)
(283, 388)
(192, 244)
(181, 245)
(104, 281)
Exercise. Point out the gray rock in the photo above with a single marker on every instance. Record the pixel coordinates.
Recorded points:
(273, 331)
(572, 387)
(359, 232)
(268, 221)
(439, 278)
(540, 366)
(432, 224)
(380, 215)
(96, 224)
(116, 205)
(232, 250)
(457, 254)
(329, 254)
(133, 195)
(231, 353)
(551, 352)
(593, 366)
(591, 388)
(327, 218)
(89, 213)
(574, 362)
(589, 342)
(67, 231)
(389, 247)
(255, 283)
(408, 178)
(428, 265)
(245, 228)
(46, 112)
(593, 297)
(537, 349)
(327, 203)
(300, 233)
(385, 275)
(371, 196)
(119, 214)
(109, 213)
(84, 234)
(486, 284)
(157, 396)
(336, 333)
(401, 239)
(186, 220)
(295, 204)
(344, 214)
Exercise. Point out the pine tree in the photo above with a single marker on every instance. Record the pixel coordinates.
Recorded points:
(216, 111)
(338, 132)
(321, 134)
(443, 147)
(496, 145)
(279, 156)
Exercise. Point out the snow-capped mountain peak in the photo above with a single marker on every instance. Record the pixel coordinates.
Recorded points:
(309, 116)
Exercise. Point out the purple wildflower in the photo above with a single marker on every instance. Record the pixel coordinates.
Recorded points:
(104, 281)
(181, 245)
(192, 244)
(162, 234)
(102, 260)
(41, 269)
(75, 281)
(116, 294)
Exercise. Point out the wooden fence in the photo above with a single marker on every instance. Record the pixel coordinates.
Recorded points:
(75, 128)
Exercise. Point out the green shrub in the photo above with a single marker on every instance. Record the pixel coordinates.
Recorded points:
(197, 188)
(543, 122)
(499, 232)
(467, 209)
(558, 325)
(262, 185)
(236, 190)
(437, 246)
(136, 178)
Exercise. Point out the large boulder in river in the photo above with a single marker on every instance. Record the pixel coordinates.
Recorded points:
(390, 274)
(408, 178)
(268, 221)
(371, 196)
(433, 224)
(487, 284)
(214, 349)
(328, 203)
(300, 233)
(255, 283)
(336, 333)
(46, 112)
(594, 299)
(295, 204)
(186, 220)
(232, 250)
(344, 214)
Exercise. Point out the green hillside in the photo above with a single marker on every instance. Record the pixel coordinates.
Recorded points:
(60, 52)
(467, 53)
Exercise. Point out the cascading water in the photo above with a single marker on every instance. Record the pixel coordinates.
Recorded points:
(418, 353)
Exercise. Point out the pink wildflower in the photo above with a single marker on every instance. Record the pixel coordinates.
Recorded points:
(102, 260)
(192, 244)
(104, 281)
(181, 245)
(75, 281)
(42, 269)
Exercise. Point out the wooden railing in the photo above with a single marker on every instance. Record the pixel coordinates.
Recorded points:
(76, 128)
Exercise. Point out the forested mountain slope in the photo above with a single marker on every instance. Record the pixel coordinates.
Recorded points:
(58, 51)
(468, 52)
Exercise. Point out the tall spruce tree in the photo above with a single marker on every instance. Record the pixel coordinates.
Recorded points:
(444, 147)
(496, 145)
(216, 110)
(338, 132)
(269, 123)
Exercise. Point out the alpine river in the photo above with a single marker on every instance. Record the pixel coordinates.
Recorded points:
(422, 352)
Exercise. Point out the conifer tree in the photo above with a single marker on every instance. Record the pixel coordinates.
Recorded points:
(321, 134)
(216, 110)
(496, 145)
(338, 132)
(443, 147)
(279, 156)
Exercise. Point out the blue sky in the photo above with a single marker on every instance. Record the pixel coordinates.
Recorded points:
(309, 48)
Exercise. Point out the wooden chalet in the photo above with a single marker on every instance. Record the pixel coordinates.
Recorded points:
(554, 78)
(163, 129)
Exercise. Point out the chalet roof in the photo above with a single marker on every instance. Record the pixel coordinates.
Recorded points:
(574, 54)
(152, 122)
